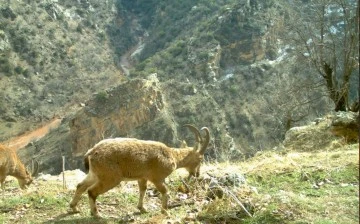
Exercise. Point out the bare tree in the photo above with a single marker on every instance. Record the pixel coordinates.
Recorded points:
(325, 32)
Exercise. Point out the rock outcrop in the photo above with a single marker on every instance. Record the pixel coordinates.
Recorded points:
(346, 125)
(115, 112)
(329, 132)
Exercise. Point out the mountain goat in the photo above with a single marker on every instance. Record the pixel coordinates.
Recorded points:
(11, 165)
(124, 159)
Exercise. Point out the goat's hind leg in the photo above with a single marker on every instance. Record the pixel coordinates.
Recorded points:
(100, 187)
(80, 189)
(142, 189)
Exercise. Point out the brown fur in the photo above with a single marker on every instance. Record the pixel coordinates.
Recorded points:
(86, 164)
(11, 165)
(121, 159)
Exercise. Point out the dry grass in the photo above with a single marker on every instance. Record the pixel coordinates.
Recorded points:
(281, 187)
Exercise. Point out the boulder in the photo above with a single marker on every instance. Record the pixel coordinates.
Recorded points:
(115, 113)
(346, 125)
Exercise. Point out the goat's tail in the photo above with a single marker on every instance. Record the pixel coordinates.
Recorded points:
(86, 163)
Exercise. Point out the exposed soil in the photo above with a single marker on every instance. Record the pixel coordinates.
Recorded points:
(22, 140)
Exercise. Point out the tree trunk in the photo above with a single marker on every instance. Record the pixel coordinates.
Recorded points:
(337, 95)
(340, 105)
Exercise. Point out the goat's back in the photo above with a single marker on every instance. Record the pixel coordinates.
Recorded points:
(8, 159)
(126, 158)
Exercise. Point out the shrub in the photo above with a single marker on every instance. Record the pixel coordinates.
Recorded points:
(6, 67)
(26, 72)
(19, 69)
(80, 28)
(102, 96)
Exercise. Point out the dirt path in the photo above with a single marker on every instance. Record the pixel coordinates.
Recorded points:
(22, 140)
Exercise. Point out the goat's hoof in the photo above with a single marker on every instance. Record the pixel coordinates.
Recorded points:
(74, 208)
(165, 212)
(95, 215)
(72, 211)
(142, 210)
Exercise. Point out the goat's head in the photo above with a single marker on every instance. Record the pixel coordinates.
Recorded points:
(28, 177)
(197, 154)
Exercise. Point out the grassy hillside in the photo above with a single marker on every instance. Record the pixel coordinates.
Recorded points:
(274, 187)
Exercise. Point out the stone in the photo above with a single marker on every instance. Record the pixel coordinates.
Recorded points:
(346, 125)
(126, 107)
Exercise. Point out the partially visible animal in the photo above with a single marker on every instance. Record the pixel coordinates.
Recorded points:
(125, 159)
(11, 165)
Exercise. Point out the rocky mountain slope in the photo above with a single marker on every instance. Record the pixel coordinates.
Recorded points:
(54, 55)
(221, 64)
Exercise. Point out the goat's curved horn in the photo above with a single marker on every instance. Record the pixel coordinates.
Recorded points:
(205, 143)
(196, 132)
(34, 167)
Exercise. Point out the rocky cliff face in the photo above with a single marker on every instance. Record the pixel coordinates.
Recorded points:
(116, 112)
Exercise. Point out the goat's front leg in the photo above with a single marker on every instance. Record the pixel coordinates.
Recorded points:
(2, 181)
(142, 190)
(164, 196)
